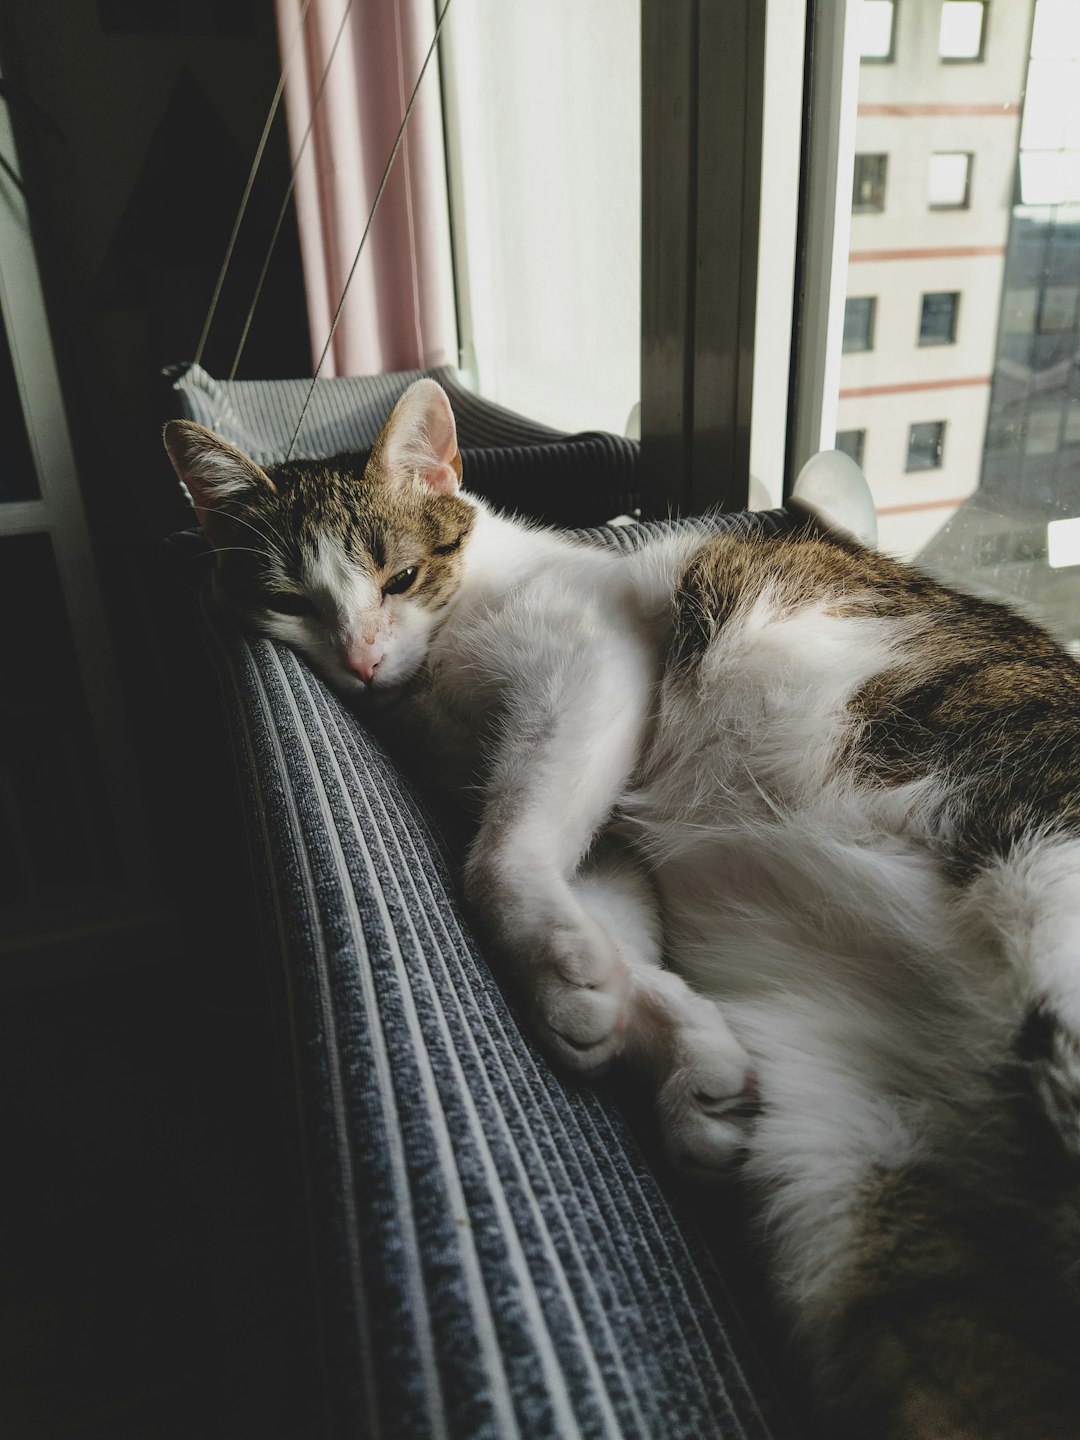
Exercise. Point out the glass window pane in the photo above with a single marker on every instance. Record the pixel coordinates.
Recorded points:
(545, 134)
(1049, 106)
(976, 415)
(1056, 32)
(1058, 311)
(853, 443)
(926, 445)
(1043, 431)
(859, 323)
(948, 180)
(1019, 309)
(868, 193)
(937, 320)
(876, 22)
(961, 33)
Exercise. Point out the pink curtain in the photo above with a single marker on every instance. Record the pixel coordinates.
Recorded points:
(398, 314)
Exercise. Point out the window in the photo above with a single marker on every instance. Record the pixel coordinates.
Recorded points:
(949, 180)
(859, 314)
(963, 26)
(877, 29)
(868, 194)
(853, 443)
(1043, 435)
(937, 322)
(926, 442)
(1058, 312)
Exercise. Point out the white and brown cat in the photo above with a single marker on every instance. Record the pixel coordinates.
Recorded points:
(786, 823)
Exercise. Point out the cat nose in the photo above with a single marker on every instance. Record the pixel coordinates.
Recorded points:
(365, 667)
(362, 656)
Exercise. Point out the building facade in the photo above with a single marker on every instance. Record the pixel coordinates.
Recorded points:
(940, 104)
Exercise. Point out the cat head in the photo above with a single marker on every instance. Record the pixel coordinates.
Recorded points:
(352, 570)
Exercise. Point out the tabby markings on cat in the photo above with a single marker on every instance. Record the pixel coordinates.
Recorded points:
(782, 822)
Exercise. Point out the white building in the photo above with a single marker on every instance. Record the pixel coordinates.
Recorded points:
(936, 145)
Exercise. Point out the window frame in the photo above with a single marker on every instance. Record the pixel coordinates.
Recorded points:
(965, 203)
(930, 344)
(980, 58)
(859, 453)
(890, 58)
(702, 115)
(939, 449)
(870, 301)
(858, 208)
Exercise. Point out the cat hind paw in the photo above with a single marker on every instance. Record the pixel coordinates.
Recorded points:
(708, 1103)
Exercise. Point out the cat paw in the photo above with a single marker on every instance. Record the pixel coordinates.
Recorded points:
(581, 1000)
(709, 1101)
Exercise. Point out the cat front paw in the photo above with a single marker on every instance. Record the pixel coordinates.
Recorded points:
(580, 1002)
(709, 1101)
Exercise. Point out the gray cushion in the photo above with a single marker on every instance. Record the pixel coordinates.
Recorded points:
(493, 1255)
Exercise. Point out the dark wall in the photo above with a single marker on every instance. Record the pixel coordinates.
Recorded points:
(136, 123)
(137, 129)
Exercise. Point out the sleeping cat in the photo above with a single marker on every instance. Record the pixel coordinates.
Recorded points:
(785, 823)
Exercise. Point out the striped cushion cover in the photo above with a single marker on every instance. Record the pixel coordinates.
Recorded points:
(515, 463)
(493, 1256)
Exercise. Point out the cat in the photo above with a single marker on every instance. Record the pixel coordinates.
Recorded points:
(784, 823)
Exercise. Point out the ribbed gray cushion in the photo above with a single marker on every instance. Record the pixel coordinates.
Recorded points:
(346, 413)
(494, 1258)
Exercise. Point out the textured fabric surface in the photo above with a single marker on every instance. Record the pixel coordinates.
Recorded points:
(518, 465)
(493, 1257)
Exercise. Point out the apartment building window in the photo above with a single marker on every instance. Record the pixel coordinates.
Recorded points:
(937, 321)
(926, 444)
(1058, 311)
(859, 314)
(853, 443)
(949, 180)
(877, 30)
(1043, 431)
(868, 194)
(963, 28)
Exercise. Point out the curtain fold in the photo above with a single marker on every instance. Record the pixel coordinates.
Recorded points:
(399, 310)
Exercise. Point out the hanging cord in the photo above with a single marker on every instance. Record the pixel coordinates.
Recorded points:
(367, 227)
(288, 192)
(250, 183)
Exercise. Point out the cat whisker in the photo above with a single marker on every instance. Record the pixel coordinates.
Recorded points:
(274, 541)
(242, 549)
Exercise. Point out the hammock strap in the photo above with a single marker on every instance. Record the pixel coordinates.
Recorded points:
(250, 184)
(288, 192)
(370, 218)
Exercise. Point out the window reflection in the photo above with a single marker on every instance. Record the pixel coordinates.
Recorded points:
(968, 406)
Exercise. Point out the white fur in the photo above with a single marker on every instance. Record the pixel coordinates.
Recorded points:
(813, 948)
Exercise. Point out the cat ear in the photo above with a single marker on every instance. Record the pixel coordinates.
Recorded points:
(419, 440)
(216, 474)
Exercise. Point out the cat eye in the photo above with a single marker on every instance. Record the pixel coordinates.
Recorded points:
(287, 602)
(399, 583)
